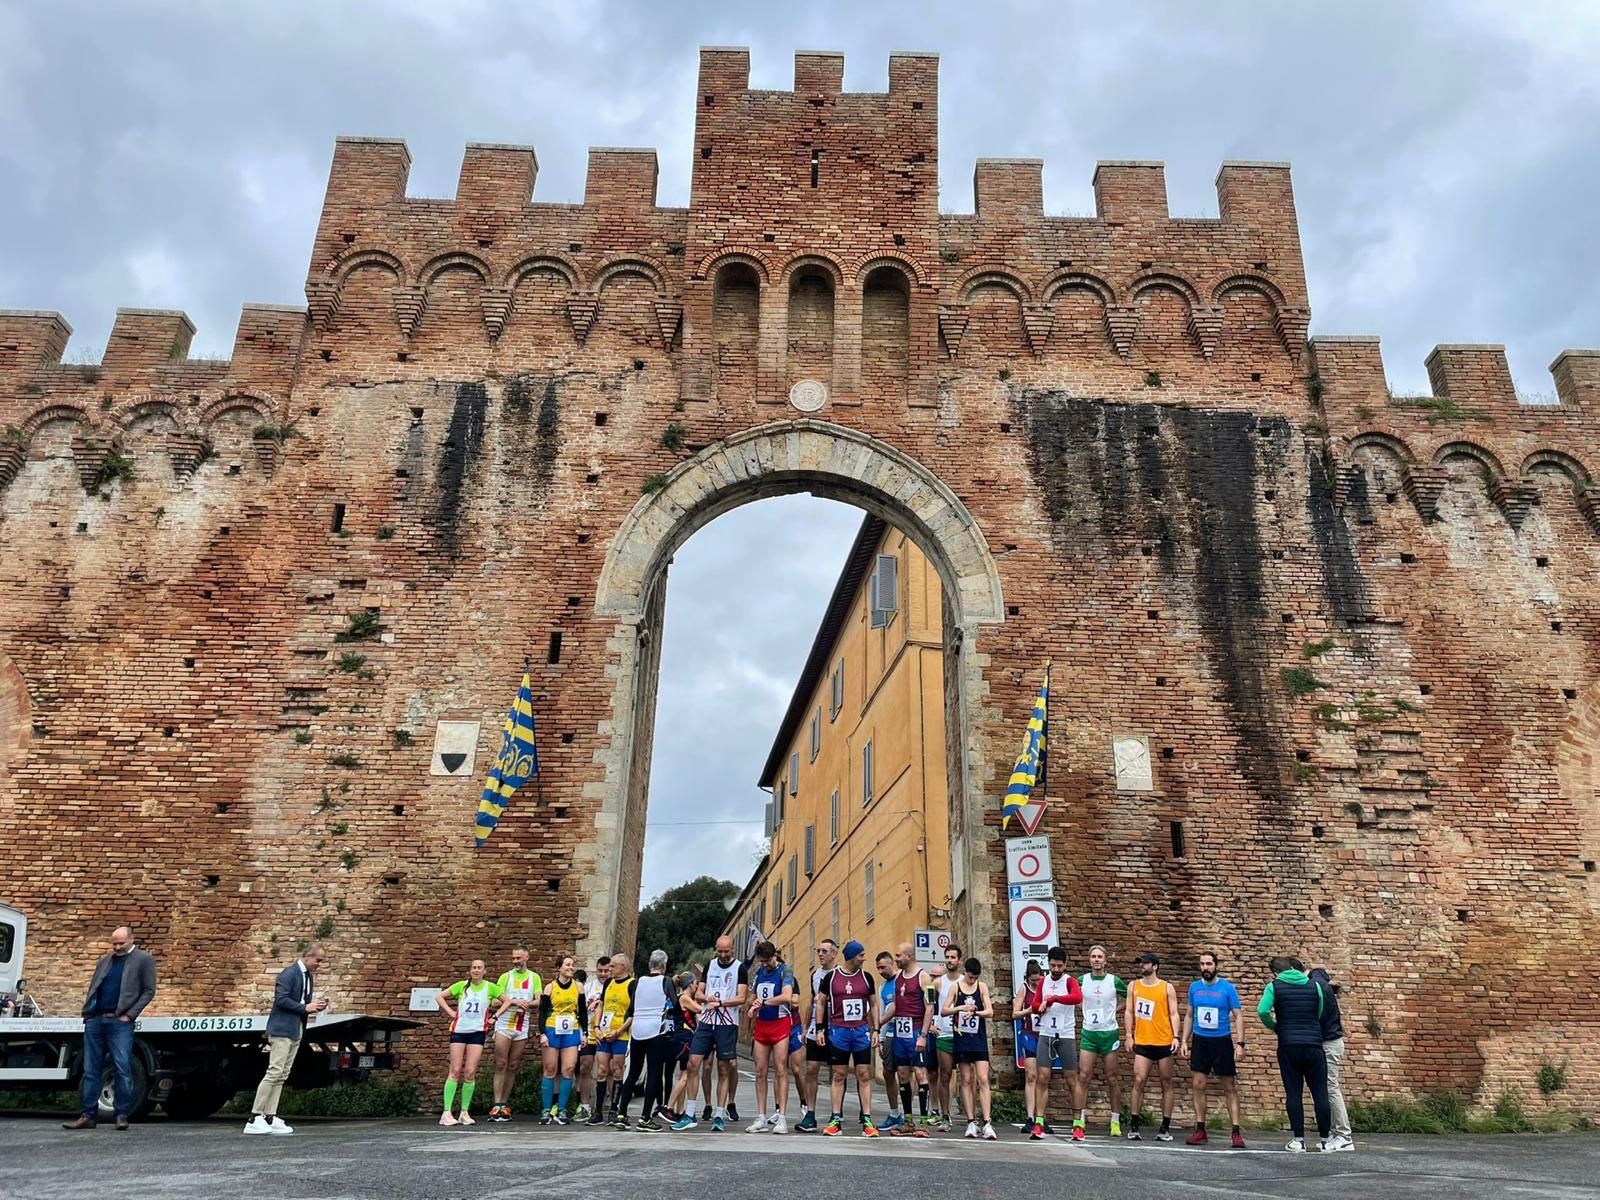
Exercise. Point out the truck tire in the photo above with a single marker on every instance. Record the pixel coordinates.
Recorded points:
(196, 1100)
(139, 1103)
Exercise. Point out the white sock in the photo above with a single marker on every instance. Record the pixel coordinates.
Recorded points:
(894, 1112)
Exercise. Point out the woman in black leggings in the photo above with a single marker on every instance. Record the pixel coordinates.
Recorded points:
(655, 1019)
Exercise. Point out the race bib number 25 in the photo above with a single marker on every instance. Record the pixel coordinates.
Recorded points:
(855, 1010)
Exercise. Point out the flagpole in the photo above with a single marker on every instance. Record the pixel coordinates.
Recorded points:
(538, 776)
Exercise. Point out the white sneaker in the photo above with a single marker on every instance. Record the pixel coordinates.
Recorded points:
(279, 1127)
(447, 1120)
(466, 1118)
(257, 1125)
(1337, 1143)
(779, 1124)
(989, 1134)
(1296, 1146)
(972, 1129)
(759, 1125)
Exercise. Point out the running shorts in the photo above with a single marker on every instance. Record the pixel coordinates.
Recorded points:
(725, 1038)
(617, 1047)
(1028, 1044)
(1153, 1053)
(853, 1043)
(562, 1041)
(1057, 1051)
(1212, 1056)
(906, 1053)
(1099, 1041)
(945, 1043)
(773, 1033)
(972, 1054)
(467, 1039)
(797, 1039)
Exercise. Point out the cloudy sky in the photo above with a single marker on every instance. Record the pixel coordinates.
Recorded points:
(1446, 154)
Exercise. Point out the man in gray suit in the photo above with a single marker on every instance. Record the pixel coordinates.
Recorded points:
(123, 982)
(292, 1006)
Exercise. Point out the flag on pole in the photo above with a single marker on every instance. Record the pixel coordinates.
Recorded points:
(752, 939)
(517, 762)
(1031, 762)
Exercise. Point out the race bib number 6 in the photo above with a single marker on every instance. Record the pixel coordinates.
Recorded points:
(565, 1024)
(855, 1010)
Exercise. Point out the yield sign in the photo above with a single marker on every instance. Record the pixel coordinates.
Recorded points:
(1030, 814)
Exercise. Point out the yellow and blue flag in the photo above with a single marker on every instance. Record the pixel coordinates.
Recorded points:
(517, 763)
(1030, 763)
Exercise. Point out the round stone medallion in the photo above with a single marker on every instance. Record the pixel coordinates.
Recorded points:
(809, 395)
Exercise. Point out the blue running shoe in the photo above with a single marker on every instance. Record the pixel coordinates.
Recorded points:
(686, 1121)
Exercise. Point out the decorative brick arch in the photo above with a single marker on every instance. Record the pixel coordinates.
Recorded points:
(826, 460)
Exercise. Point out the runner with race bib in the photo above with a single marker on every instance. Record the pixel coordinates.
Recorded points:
(827, 951)
(772, 1008)
(886, 971)
(911, 1029)
(474, 1000)
(514, 1029)
(1213, 1038)
(944, 1043)
(1055, 1016)
(1100, 1038)
(970, 1009)
(721, 995)
(611, 1048)
(847, 1024)
(1153, 1020)
(564, 1017)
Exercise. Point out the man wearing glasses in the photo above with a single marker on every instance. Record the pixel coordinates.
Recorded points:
(827, 951)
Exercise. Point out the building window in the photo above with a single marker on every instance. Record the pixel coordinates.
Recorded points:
(833, 818)
(884, 592)
(866, 884)
(778, 794)
(777, 902)
(761, 913)
(836, 691)
(794, 773)
(811, 844)
(816, 733)
(769, 826)
(794, 876)
(866, 774)
(836, 918)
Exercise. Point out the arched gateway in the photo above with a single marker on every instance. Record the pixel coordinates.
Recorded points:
(778, 459)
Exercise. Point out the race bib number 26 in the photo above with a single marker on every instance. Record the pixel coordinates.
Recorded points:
(904, 1028)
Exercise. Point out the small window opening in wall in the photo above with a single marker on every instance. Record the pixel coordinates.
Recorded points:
(1325, 910)
(916, 106)
(1426, 689)
(1555, 626)
(223, 806)
(1255, 376)
(1146, 551)
(83, 527)
(553, 885)
(1570, 693)
(205, 593)
(1174, 905)
(1155, 493)
(1005, 426)
(327, 355)
(769, 237)
(561, 810)
(314, 411)
(1013, 610)
(1065, 262)
(349, 238)
(1407, 557)
(1145, 266)
(224, 530)
(485, 243)
(1303, 755)
(1278, 555)
(1461, 914)
(710, 100)
(1288, 618)
(1390, 497)
(401, 356)
(188, 662)
(1167, 752)
(816, 165)
(1176, 831)
(233, 468)
(1261, 266)
(899, 239)
(1588, 865)
(1010, 546)
(918, 157)
(574, 246)
(566, 739)
(1541, 561)
(1269, 494)
(1152, 615)
(167, 731)
(554, 654)
(338, 518)
(705, 151)
(391, 881)
(574, 601)
(600, 419)
(1161, 681)
(592, 477)
(210, 881)
(583, 539)
(1316, 831)
(399, 810)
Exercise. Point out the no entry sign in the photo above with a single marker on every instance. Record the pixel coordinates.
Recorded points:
(1033, 931)
(1028, 860)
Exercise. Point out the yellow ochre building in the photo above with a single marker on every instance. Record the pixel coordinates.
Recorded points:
(859, 814)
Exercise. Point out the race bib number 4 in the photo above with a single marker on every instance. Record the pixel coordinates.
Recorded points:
(967, 1022)
(1206, 1018)
(904, 1028)
(1144, 1009)
(855, 1010)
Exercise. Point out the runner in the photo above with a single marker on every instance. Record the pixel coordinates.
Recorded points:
(911, 1031)
(469, 1021)
(1213, 1038)
(655, 1013)
(564, 1017)
(1292, 1007)
(1055, 1010)
(515, 1029)
(721, 995)
(846, 1021)
(592, 989)
(884, 963)
(1100, 1038)
(944, 1044)
(683, 1038)
(827, 951)
(1152, 1016)
(611, 1048)
(971, 1008)
(772, 1008)
(797, 1047)
(1025, 1024)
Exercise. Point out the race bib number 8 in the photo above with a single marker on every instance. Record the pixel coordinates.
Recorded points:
(566, 1024)
(1144, 1009)
(766, 991)
(967, 1022)
(855, 1010)
(904, 1028)
(1206, 1018)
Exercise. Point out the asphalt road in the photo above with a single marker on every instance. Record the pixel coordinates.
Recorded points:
(416, 1160)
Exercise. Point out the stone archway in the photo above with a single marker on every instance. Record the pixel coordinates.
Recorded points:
(835, 463)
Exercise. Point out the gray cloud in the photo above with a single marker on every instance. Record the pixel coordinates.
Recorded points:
(1446, 159)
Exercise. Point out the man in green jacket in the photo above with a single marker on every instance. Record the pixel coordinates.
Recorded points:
(1292, 1008)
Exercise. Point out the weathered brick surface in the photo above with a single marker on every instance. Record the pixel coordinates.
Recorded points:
(1176, 497)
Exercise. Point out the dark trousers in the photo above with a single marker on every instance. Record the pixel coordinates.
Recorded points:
(103, 1036)
(648, 1058)
(1302, 1067)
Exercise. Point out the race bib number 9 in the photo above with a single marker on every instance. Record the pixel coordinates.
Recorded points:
(1206, 1018)
(967, 1022)
(1144, 1009)
(855, 1010)
(904, 1028)
(565, 1024)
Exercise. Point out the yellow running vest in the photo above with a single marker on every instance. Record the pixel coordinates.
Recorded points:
(1152, 1021)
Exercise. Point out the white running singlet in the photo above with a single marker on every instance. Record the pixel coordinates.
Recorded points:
(944, 1026)
(723, 983)
(1099, 1003)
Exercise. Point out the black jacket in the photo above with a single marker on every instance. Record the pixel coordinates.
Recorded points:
(1332, 1022)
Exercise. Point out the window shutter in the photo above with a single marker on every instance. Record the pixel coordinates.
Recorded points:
(867, 887)
(885, 589)
(777, 900)
(777, 804)
(794, 875)
(835, 919)
(866, 774)
(833, 818)
(816, 733)
(768, 826)
(836, 691)
(794, 773)
(811, 845)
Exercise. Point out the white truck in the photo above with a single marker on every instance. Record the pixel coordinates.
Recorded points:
(192, 1065)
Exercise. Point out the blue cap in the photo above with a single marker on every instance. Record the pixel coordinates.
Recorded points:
(854, 949)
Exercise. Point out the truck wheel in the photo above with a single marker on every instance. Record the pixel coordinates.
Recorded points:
(195, 1101)
(139, 1103)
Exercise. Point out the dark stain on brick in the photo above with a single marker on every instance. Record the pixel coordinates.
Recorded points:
(541, 455)
(1342, 582)
(463, 442)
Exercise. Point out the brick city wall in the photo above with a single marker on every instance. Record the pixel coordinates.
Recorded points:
(1359, 631)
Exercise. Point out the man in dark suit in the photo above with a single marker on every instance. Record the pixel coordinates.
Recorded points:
(123, 982)
(292, 1006)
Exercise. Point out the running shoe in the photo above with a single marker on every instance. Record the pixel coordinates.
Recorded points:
(547, 1116)
(446, 1119)
(733, 1112)
(620, 1120)
(716, 1124)
(807, 1123)
(466, 1118)
(1197, 1138)
(494, 1114)
(759, 1125)
(561, 1118)
(1079, 1133)
(890, 1123)
(1296, 1146)
(1133, 1134)
(505, 1112)
(989, 1135)
(595, 1119)
(647, 1125)
(779, 1124)
(833, 1128)
(583, 1113)
(944, 1125)
(1238, 1140)
(869, 1130)
(1163, 1134)
(1036, 1131)
(972, 1129)
(928, 1122)
(911, 1130)
(1338, 1142)
(686, 1121)
(1116, 1125)
(705, 1113)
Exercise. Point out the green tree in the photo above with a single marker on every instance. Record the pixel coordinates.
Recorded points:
(684, 921)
